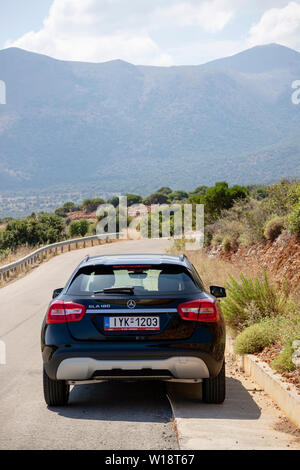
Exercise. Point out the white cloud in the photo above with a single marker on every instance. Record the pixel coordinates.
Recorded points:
(100, 30)
(211, 16)
(85, 47)
(77, 30)
(280, 25)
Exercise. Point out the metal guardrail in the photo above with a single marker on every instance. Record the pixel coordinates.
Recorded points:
(36, 255)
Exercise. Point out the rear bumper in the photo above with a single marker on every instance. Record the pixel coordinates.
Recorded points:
(87, 368)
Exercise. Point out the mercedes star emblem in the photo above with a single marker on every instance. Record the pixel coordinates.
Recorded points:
(131, 304)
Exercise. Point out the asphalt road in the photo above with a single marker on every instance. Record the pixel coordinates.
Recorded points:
(110, 415)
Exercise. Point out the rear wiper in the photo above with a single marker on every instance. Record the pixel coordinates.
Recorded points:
(122, 290)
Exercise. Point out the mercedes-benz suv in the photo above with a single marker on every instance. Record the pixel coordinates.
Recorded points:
(123, 317)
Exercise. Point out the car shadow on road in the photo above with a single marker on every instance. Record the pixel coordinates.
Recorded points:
(118, 401)
(148, 402)
(239, 404)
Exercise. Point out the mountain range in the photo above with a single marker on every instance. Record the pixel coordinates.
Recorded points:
(129, 128)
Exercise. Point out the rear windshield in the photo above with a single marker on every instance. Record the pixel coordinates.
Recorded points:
(145, 279)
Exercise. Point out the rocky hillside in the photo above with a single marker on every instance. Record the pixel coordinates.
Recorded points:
(281, 258)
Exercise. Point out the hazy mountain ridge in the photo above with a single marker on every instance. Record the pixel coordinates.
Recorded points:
(134, 128)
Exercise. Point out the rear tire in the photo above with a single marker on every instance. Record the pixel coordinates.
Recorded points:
(56, 392)
(214, 389)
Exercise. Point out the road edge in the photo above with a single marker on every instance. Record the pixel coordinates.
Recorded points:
(283, 393)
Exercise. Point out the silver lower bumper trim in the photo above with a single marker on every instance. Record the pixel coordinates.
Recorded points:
(135, 379)
(83, 368)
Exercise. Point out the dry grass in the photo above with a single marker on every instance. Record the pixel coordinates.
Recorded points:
(18, 254)
(212, 270)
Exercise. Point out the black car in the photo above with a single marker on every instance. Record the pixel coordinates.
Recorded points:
(135, 317)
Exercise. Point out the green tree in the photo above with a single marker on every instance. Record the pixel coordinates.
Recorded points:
(35, 230)
(156, 198)
(200, 191)
(178, 195)
(220, 197)
(133, 199)
(164, 190)
(66, 209)
(114, 201)
(91, 205)
(79, 228)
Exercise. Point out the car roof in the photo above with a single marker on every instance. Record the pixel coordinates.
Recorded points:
(132, 259)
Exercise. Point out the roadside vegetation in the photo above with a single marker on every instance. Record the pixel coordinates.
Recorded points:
(259, 312)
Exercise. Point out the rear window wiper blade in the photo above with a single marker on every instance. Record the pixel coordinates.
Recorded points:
(122, 290)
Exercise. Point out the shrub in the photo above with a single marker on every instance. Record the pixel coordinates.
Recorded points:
(4, 254)
(178, 195)
(216, 240)
(92, 229)
(252, 294)
(282, 197)
(164, 190)
(114, 201)
(200, 191)
(255, 218)
(227, 228)
(133, 199)
(284, 363)
(255, 338)
(156, 198)
(208, 235)
(78, 228)
(273, 228)
(90, 205)
(34, 230)
(244, 221)
(294, 220)
(289, 325)
(229, 243)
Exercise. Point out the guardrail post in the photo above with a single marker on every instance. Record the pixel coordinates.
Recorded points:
(69, 247)
(92, 241)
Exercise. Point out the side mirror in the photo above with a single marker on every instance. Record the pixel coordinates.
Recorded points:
(217, 291)
(56, 292)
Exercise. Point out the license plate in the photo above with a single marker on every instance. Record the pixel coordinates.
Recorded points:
(131, 323)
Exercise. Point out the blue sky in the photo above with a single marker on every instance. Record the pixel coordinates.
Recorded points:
(158, 32)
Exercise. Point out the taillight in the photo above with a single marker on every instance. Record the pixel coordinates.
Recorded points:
(63, 312)
(199, 310)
